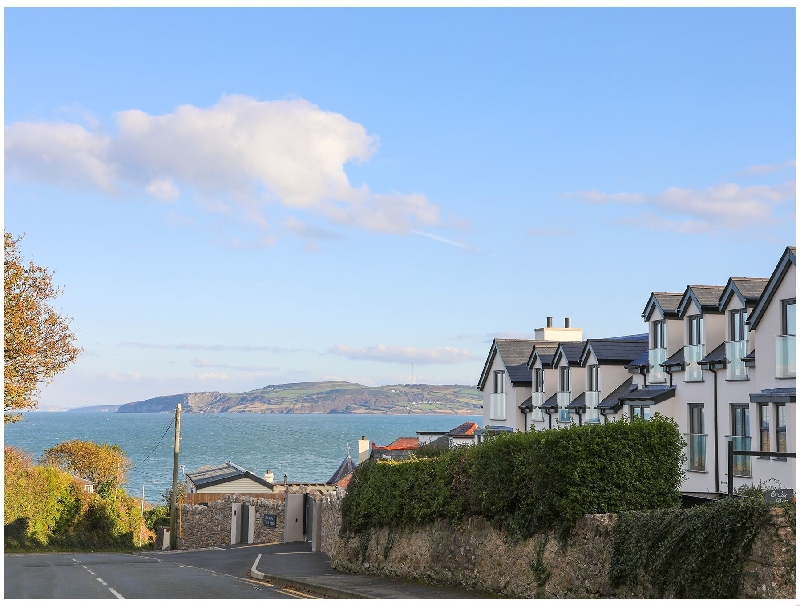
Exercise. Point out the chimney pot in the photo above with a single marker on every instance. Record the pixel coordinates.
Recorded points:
(566, 322)
(549, 321)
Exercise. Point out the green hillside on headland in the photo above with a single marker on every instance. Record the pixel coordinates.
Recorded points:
(324, 397)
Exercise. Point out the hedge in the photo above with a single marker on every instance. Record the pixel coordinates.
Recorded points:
(526, 482)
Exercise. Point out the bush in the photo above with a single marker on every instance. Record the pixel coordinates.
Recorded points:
(687, 553)
(526, 482)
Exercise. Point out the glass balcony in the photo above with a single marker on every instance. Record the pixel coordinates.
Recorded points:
(655, 358)
(537, 399)
(785, 357)
(592, 400)
(693, 354)
(734, 352)
(564, 398)
(497, 407)
(741, 463)
(695, 451)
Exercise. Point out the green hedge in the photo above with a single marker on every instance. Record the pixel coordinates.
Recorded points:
(687, 553)
(526, 482)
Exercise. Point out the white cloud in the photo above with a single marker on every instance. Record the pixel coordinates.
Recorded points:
(164, 189)
(207, 347)
(239, 152)
(725, 206)
(403, 354)
(765, 169)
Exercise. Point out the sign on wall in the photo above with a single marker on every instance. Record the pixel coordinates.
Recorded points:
(778, 495)
(270, 520)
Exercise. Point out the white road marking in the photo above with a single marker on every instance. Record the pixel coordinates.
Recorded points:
(99, 580)
(119, 597)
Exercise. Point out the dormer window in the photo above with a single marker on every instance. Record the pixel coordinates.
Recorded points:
(563, 377)
(659, 334)
(499, 381)
(693, 352)
(785, 342)
(738, 325)
(788, 319)
(538, 380)
(592, 378)
(695, 330)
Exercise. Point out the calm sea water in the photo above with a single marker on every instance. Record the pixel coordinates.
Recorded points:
(305, 447)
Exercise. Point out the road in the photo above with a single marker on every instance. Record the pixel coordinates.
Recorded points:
(197, 574)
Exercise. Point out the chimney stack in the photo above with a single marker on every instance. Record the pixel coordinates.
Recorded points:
(363, 449)
(549, 321)
(566, 322)
(269, 476)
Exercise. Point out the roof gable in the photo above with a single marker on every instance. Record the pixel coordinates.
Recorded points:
(347, 467)
(614, 351)
(544, 352)
(706, 298)
(514, 354)
(212, 475)
(747, 290)
(569, 351)
(666, 302)
(786, 261)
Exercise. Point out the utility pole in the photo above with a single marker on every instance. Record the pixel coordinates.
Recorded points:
(173, 535)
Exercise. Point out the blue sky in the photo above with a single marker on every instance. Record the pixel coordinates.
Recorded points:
(237, 198)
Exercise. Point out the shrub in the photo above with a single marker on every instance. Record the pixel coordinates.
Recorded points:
(526, 482)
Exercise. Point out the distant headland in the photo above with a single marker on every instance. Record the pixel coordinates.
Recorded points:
(323, 397)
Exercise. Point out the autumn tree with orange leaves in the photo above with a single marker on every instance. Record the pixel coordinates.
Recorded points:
(37, 341)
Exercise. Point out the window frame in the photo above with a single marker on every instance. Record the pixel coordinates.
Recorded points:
(538, 380)
(563, 378)
(659, 334)
(641, 408)
(593, 377)
(694, 330)
(737, 324)
(499, 381)
(780, 429)
(785, 304)
(763, 427)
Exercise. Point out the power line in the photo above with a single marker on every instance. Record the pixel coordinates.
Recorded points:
(154, 447)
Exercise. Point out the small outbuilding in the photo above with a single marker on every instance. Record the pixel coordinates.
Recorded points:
(227, 478)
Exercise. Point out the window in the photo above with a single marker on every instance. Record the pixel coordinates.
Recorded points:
(592, 378)
(563, 375)
(763, 423)
(695, 330)
(788, 321)
(659, 336)
(738, 326)
(538, 380)
(499, 381)
(640, 411)
(696, 439)
(780, 427)
(740, 434)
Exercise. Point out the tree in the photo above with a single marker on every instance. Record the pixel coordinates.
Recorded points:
(98, 463)
(37, 341)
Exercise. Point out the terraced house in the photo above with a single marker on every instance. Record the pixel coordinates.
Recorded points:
(720, 360)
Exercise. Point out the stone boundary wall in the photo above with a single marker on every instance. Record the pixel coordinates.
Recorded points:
(210, 525)
(476, 556)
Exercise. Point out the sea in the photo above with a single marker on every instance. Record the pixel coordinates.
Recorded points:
(305, 447)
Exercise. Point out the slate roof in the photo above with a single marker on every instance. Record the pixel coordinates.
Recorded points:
(515, 354)
(788, 258)
(211, 475)
(779, 394)
(614, 351)
(656, 393)
(678, 359)
(347, 467)
(716, 356)
(551, 402)
(641, 361)
(527, 404)
(578, 402)
(751, 357)
(545, 350)
(611, 401)
(705, 297)
(667, 301)
(571, 350)
(748, 291)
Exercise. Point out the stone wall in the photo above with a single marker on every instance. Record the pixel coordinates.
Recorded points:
(210, 525)
(476, 556)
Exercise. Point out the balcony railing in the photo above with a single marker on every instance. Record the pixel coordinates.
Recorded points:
(785, 357)
(537, 399)
(734, 352)
(497, 407)
(693, 354)
(592, 400)
(564, 398)
(655, 358)
(741, 463)
(695, 451)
